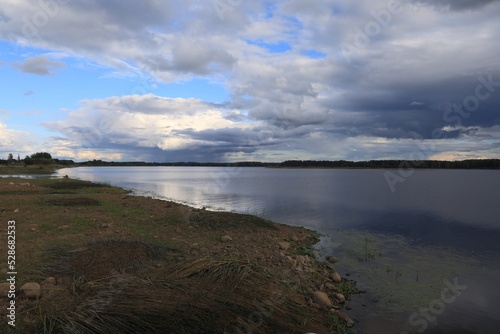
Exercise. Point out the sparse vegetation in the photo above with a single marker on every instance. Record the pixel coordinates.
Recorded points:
(127, 264)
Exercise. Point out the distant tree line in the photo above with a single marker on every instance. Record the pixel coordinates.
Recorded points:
(381, 164)
(395, 164)
(44, 158)
(40, 158)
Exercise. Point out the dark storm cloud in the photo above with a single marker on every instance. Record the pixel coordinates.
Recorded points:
(456, 5)
(391, 111)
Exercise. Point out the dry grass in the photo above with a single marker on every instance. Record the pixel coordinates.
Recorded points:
(203, 296)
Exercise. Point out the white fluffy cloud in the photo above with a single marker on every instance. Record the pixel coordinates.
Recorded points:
(141, 121)
(14, 141)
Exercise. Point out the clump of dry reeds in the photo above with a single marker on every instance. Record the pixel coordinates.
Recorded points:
(201, 296)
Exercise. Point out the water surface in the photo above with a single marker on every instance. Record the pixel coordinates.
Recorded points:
(403, 246)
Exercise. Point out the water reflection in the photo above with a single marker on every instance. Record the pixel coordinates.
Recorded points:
(401, 246)
(31, 176)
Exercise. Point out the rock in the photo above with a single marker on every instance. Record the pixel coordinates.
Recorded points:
(340, 297)
(331, 287)
(11, 183)
(321, 298)
(16, 210)
(49, 281)
(63, 227)
(300, 259)
(31, 290)
(335, 277)
(226, 238)
(48, 284)
(4, 289)
(348, 321)
(104, 225)
(284, 245)
(332, 259)
(25, 184)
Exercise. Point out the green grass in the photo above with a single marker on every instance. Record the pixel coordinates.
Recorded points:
(20, 170)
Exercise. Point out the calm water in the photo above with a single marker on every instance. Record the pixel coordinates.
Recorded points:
(427, 253)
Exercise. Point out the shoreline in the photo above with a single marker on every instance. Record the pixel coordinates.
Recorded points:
(76, 220)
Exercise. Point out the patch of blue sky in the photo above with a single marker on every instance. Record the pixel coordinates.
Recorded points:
(314, 54)
(269, 8)
(280, 47)
(293, 23)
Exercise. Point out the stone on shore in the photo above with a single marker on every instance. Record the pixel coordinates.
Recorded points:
(348, 321)
(49, 281)
(284, 245)
(331, 259)
(335, 277)
(226, 238)
(331, 287)
(321, 298)
(340, 297)
(4, 289)
(31, 290)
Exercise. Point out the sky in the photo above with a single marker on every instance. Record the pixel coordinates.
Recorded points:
(241, 80)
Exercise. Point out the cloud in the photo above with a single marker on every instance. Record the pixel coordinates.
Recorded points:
(40, 65)
(456, 5)
(14, 141)
(408, 78)
(144, 123)
(29, 92)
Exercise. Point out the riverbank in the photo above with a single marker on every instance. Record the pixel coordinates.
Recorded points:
(29, 170)
(104, 261)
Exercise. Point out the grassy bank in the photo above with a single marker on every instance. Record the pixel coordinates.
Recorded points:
(28, 170)
(109, 262)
